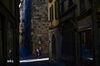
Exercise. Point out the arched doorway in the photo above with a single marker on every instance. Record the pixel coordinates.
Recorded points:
(53, 47)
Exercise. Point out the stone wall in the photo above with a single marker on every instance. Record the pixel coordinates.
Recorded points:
(39, 26)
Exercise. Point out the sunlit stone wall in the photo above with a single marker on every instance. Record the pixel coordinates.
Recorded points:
(39, 26)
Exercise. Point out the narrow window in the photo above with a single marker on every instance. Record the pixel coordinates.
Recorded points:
(56, 10)
(82, 5)
(51, 13)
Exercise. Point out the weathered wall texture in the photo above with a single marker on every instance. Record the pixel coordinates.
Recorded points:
(39, 26)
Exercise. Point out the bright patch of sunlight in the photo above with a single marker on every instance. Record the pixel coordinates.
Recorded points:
(33, 60)
(29, 60)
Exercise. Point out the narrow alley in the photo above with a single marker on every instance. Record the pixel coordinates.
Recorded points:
(49, 32)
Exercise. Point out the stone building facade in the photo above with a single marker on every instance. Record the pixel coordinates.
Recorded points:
(39, 27)
(80, 31)
(9, 33)
(54, 33)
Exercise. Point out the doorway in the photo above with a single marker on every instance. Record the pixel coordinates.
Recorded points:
(53, 47)
(86, 48)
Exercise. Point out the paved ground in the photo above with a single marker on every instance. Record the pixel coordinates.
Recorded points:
(42, 64)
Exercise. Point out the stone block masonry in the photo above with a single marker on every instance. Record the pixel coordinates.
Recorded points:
(39, 27)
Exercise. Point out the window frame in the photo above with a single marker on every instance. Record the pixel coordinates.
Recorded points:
(51, 13)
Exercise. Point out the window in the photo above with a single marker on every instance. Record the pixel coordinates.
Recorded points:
(70, 3)
(82, 5)
(98, 5)
(61, 8)
(88, 4)
(56, 9)
(85, 5)
(51, 13)
(10, 4)
(66, 5)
